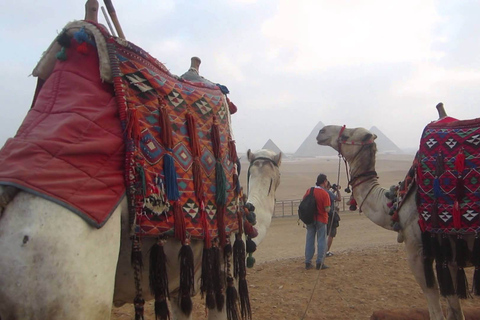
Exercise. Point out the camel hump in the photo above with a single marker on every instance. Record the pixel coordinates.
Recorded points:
(193, 73)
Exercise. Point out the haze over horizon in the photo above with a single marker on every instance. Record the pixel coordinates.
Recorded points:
(288, 65)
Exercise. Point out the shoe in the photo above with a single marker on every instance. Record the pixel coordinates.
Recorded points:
(329, 254)
(308, 266)
(320, 266)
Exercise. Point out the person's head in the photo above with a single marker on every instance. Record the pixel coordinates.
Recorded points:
(321, 179)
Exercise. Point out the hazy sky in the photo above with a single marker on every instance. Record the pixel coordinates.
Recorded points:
(288, 64)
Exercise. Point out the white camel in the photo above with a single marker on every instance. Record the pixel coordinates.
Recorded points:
(357, 146)
(56, 266)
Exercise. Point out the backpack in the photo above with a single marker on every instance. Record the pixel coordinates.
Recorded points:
(307, 209)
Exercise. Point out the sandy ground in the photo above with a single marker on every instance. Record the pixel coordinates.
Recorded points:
(368, 272)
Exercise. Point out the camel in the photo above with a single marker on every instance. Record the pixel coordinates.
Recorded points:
(357, 146)
(55, 265)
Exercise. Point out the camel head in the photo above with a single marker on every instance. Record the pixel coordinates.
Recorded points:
(263, 179)
(348, 142)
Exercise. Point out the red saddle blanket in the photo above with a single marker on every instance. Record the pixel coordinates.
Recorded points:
(448, 177)
(70, 148)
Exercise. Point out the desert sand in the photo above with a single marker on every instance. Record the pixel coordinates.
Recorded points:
(368, 271)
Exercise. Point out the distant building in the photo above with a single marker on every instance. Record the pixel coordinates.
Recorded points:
(270, 145)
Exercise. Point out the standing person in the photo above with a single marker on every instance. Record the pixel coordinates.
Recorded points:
(319, 227)
(333, 217)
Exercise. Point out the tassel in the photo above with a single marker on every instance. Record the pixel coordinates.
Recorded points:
(217, 279)
(460, 162)
(64, 39)
(161, 310)
(206, 279)
(250, 260)
(245, 306)
(251, 247)
(62, 54)
(166, 126)
(476, 281)
(215, 135)
(139, 303)
(447, 288)
(238, 256)
(170, 178)
(197, 179)
(142, 179)
(461, 252)
(428, 259)
(221, 184)
(232, 151)
(207, 242)
(446, 248)
(475, 259)
(133, 127)
(187, 278)
(232, 301)
(159, 280)
(82, 48)
(179, 221)
(462, 284)
(136, 255)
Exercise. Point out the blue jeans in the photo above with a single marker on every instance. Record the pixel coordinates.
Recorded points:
(320, 230)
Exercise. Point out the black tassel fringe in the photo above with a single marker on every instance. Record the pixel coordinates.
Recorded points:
(244, 299)
(206, 284)
(232, 301)
(159, 281)
(476, 281)
(139, 303)
(446, 287)
(217, 279)
(462, 284)
(187, 278)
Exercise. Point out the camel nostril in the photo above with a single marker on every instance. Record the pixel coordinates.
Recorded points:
(25, 239)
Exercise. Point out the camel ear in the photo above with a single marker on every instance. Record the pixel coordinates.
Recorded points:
(278, 159)
(250, 155)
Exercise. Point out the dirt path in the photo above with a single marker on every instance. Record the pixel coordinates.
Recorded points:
(368, 272)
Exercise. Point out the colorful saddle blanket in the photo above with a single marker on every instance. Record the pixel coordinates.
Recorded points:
(180, 157)
(448, 177)
(166, 141)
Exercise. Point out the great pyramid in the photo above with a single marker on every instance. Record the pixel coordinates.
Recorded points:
(270, 145)
(310, 148)
(384, 144)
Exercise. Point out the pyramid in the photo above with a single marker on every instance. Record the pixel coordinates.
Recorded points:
(310, 148)
(270, 145)
(384, 144)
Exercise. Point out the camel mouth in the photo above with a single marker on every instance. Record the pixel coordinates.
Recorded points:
(321, 142)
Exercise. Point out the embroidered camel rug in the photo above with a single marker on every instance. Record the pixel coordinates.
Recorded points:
(448, 177)
(179, 149)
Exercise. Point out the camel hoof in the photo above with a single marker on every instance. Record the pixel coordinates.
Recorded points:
(400, 237)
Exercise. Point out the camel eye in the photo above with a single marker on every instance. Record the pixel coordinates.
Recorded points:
(322, 130)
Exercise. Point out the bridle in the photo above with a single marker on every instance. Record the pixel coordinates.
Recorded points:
(251, 164)
(362, 177)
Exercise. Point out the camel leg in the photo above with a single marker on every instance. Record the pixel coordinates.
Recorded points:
(454, 307)
(54, 265)
(415, 261)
